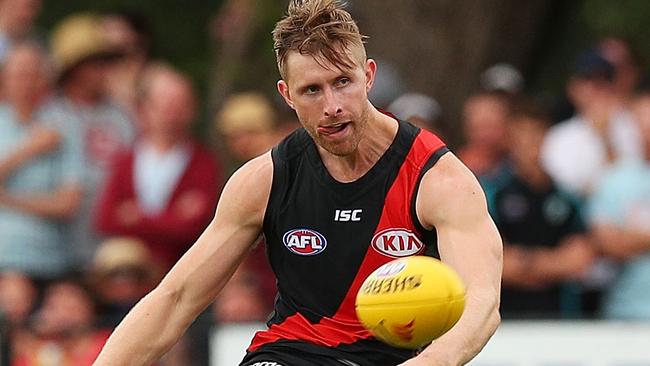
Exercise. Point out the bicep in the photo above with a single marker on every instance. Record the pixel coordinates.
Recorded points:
(451, 200)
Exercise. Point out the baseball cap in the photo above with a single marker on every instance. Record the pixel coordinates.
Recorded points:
(592, 65)
(502, 76)
(411, 105)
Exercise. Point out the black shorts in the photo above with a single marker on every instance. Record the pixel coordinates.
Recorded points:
(297, 353)
(276, 358)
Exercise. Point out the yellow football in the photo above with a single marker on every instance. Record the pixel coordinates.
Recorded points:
(411, 301)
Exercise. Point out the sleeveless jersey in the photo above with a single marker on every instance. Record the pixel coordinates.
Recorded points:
(325, 237)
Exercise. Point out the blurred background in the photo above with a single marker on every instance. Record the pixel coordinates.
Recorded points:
(120, 121)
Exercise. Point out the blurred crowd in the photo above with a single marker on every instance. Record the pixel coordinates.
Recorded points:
(103, 184)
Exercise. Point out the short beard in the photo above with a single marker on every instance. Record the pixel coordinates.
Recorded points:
(349, 146)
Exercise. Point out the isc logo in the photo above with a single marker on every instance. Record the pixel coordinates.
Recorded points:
(347, 215)
(397, 243)
(304, 241)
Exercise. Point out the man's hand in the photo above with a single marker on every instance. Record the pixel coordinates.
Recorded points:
(42, 140)
(39, 141)
(517, 263)
(128, 213)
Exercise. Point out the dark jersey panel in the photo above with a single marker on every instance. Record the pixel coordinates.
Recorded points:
(318, 232)
(324, 237)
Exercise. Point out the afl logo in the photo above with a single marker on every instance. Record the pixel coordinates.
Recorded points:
(397, 243)
(304, 241)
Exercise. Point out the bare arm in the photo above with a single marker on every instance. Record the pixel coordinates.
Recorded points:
(569, 261)
(540, 267)
(60, 204)
(159, 319)
(40, 141)
(451, 199)
(619, 243)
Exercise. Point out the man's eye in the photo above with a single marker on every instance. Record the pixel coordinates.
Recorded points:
(343, 81)
(311, 89)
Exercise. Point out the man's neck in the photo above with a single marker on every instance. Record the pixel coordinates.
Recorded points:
(163, 143)
(379, 133)
(24, 112)
(78, 95)
(534, 176)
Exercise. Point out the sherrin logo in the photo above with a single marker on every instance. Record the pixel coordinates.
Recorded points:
(397, 242)
(304, 241)
(390, 268)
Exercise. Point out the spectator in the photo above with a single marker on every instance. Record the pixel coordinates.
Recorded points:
(484, 119)
(388, 85)
(122, 272)
(17, 298)
(63, 331)
(626, 64)
(579, 149)
(41, 164)
(130, 34)
(620, 215)
(242, 299)
(419, 109)
(247, 122)
(16, 23)
(503, 77)
(81, 52)
(545, 246)
(164, 190)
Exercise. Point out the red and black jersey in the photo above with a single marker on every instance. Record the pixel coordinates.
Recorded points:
(325, 237)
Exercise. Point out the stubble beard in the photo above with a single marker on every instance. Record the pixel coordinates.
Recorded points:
(351, 143)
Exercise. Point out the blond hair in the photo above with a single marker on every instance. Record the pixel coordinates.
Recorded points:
(322, 29)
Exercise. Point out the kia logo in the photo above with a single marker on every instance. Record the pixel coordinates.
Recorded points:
(397, 243)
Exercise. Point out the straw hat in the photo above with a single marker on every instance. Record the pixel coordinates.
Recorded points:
(245, 112)
(122, 252)
(78, 38)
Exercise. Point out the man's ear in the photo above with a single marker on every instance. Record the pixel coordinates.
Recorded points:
(371, 72)
(283, 89)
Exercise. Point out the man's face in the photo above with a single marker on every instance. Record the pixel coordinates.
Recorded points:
(24, 78)
(526, 136)
(169, 107)
(484, 121)
(331, 104)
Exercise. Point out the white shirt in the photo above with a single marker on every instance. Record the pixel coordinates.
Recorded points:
(575, 155)
(157, 174)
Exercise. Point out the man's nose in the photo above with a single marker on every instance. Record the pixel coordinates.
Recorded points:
(332, 107)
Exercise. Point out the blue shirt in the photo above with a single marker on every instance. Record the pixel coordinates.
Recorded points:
(105, 131)
(623, 199)
(29, 243)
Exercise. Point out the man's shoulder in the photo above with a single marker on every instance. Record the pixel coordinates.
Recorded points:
(57, 111)
(627, 171)
(569, 127)
(251, 183)
(261, 165)
(5, 113)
